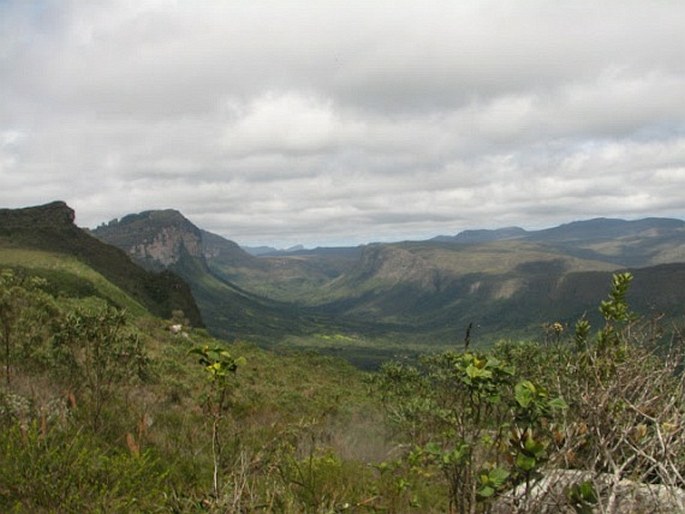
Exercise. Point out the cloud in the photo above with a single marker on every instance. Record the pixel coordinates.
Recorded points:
(282, 123)
(327, 123)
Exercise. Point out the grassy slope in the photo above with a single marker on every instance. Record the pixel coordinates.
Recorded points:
(273, 377)
(283, 386)
(285, 406)
(50, 228)
(68, 275)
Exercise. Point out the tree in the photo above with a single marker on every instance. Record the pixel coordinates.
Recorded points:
(97, 351)
(220, 367)
(467, 416)
(19, 295)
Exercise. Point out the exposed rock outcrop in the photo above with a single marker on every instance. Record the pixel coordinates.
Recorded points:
(156, 239)
(51, 228)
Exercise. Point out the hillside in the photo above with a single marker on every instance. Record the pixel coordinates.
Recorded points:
(108, 412)
(50, 228)
(636, 243)
(104, 411)
(168, 240)
(352, 301)
(101, 411)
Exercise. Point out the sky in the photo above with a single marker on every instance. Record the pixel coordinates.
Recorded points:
(335, 123)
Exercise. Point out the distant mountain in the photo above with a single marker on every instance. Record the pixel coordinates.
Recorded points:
(501, 279)
(269, 251)
(644, 242)
(508, 282)
(51, 228)
(482, 235)
(607, 228)
(260, 250)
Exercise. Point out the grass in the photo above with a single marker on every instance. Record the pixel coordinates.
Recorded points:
(68, 269)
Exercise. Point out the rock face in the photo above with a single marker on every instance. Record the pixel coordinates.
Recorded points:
(167, 246)
(156, 239)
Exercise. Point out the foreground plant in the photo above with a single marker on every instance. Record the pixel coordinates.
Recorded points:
(22, 304)
(220, 367)
(589, 415)
(467, 417)
(98, 353)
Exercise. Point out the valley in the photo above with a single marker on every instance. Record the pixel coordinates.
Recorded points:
(414, 296)
(176, 372)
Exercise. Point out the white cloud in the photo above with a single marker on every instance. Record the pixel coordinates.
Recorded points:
(334, 122)
(282, 124)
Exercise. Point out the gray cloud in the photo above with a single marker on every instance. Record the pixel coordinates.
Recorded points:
(331, 122)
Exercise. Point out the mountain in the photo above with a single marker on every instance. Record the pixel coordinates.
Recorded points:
(219, 249)
(638, 243)
(155, 239)
(51, 228)
(482, 235)
(635, 243)
(506, 282)
(607, 228)
(498, 279)
(260, 250)
(167, 240)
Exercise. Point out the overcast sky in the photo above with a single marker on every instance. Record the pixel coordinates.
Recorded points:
(345, 122)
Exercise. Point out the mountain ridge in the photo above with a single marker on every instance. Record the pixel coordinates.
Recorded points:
(579, 229)
(420, 289)
(51, 227)
(166, 239)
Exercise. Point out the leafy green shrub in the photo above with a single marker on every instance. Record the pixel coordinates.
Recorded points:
(467, 416)
(97, 353)
(25, 313)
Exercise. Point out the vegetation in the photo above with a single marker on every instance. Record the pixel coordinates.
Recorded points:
(49, 229)
(503, 283)
(104, 408)
(104, 411)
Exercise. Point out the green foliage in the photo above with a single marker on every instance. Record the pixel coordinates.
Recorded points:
(582, 497)
(616, 307)
(219, 366)
(97, 354)
(615, 311)
(469, 432)
(492, 481)
(23, 305)
(458, 409)
(218, 363)
(486, 427)
(58, 470)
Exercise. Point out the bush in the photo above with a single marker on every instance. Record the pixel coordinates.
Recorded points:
(69, 471)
